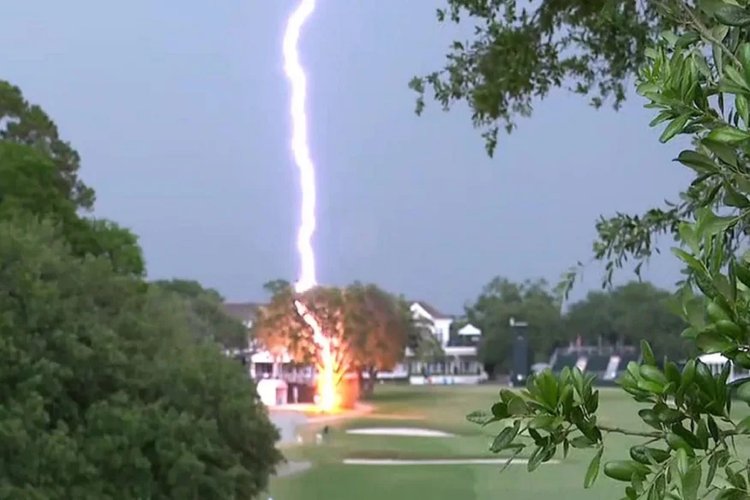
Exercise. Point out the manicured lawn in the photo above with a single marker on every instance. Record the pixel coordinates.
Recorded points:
(442, 408)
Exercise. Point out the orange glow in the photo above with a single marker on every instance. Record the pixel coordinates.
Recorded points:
(327, 394)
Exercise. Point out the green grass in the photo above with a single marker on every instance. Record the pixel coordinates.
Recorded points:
(443, 408)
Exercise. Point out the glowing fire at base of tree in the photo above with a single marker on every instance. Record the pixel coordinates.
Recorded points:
(327, 394)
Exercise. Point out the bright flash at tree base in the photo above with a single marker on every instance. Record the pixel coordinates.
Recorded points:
(326, 388)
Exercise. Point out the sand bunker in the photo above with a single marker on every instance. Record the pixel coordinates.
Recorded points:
(399, 431)
(451, 461)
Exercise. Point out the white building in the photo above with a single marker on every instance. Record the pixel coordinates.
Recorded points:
(457, 364)
(716, 362)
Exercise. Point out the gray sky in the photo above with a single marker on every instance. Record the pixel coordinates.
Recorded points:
(179, 110)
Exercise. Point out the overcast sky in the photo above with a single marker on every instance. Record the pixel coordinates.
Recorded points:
(179, 110)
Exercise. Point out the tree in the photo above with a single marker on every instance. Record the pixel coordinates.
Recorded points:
(697, 79)
(519, 54)
(501, 300)
(369, 327)
(280, 328)
(628, 314)
(29, 182)
(105, 393)
(204, 309)
(380, 326)
(27, 124)
(424, 345)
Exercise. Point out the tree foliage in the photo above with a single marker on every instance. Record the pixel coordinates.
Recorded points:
(204, 309)
(622, 316)
(24, 123)
(697, 79)
(381, 326)
(628, 314)
(519, 53)
(501, 300)
(104, 392)
(370, 328)
(29, 183)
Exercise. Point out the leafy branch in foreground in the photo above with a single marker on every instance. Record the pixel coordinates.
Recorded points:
(691, 437)
(519, 54)
(697, 79)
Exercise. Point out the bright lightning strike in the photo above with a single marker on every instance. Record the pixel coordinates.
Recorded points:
(298, 82)
(328, 400)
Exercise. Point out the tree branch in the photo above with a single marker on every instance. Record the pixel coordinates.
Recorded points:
(706, 33)
(626, 432)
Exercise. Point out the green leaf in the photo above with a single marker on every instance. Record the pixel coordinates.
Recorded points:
(653, 374)
(713, 464)
(695, 312)
(500, 410)
(517, 406)
(713, 429)
(650, 417)
(732, 15)
(743, 392)
(478, 417)
(734, 198)
(709, 341)
(592, 402)
(675, 127)
(673, 373)
(517, 449)
(687, 39)
(549, 388)
(743, 427)
(592, 472)
(697, 161)
(732, 494)
(735, 478)
(535, 459)
(725, 153)
(506, 395)
(647, 353)
(709, 224)
(736, 78)
(742, 271)
(545, 422)
(505, 437)
(581, 442)
(691, 481)
(691, 261)
(701, 432)
(728, 135)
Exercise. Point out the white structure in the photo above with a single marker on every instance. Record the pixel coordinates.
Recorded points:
(459, 363)
(716, 362)
(272, 392)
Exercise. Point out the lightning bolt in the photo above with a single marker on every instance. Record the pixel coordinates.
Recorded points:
(300, 148)
(326, 385)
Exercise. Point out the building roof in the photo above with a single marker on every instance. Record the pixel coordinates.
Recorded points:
(469, 329)
(431, 310)
(243, 311)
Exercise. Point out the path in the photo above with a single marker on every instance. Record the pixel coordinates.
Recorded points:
(288, 421)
